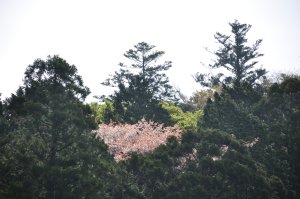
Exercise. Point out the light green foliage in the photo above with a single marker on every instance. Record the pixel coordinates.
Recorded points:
(104, 112)
(184, 120)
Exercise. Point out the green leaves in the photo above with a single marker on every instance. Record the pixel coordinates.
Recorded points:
(55, 71)
(50, 140)
(185, 120)
(236, 57)
(241, 140)
(141, 86)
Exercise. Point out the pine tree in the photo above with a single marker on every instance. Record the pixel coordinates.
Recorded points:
(237, 57)
(141, 86)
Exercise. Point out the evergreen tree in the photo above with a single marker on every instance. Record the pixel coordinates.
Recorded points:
(226, 114)
(239, 59)
(142, 85)
(52, 147)
(3, 122)
(231, 109)
(236, 57)
(205, 164)
(280, 109)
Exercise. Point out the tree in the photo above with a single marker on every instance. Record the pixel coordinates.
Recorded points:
(280, 109)
(231, 110)
(141, 85)
(52, 147)
(236, 57)
(186, 121)
(188, 169)
(3, 122)
(226, 114)
(103, 112)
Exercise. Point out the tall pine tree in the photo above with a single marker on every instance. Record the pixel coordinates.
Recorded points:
(236, 56)
(141, 86)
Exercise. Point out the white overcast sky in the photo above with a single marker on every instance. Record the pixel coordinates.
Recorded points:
(94, 34)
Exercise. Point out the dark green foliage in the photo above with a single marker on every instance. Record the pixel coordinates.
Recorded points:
(280, 109)
(236, 57)
(246, 145)
(248, 110)
(51, 152)
(3, 121)
(274, 119)
(187, 170)
(231, 110)
(141, 86)
(226, 114)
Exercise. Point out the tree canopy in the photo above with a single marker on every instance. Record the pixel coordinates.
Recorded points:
(235, 56)
(142, 85)
(238, 139)
(50, 151)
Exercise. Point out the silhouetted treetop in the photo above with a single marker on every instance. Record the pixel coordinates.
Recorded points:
(236, 56)
(142, 85)
(56, 71)
(144, 71)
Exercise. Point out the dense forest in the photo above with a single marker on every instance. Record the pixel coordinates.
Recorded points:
(239, 137)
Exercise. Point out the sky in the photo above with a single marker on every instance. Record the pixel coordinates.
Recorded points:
(93, 35)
